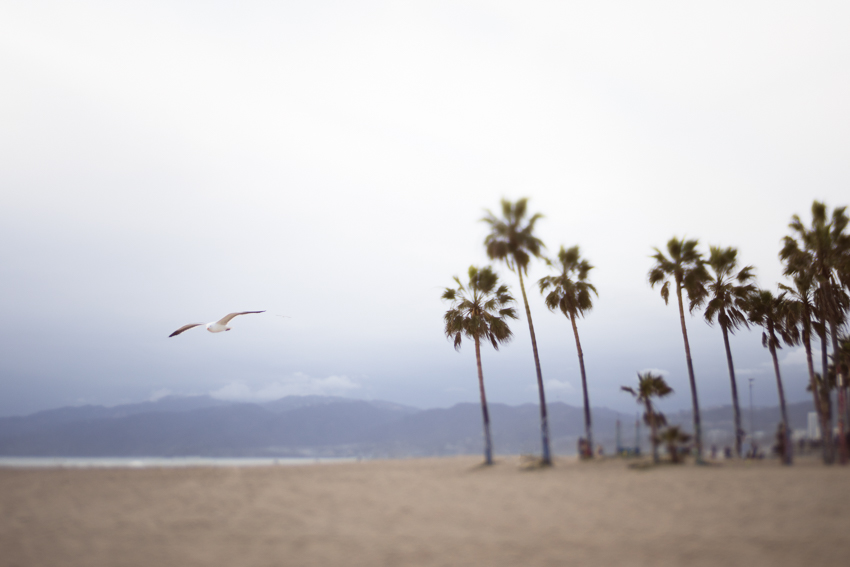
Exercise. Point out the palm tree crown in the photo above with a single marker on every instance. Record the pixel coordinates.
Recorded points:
(479, 310)
(824, 246)
(772, 314)
(510, 240)
(570, 290)
(728, 291)
(822, 251)
(687, 268)
(804, 301)
(649, 386)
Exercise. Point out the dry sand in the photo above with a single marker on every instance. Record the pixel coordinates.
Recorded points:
(428, 512)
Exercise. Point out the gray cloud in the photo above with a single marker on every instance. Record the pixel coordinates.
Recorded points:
(296, 385)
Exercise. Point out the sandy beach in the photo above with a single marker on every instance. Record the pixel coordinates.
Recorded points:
(445, 511)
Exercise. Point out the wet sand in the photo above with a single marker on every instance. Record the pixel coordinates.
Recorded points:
(428, 512)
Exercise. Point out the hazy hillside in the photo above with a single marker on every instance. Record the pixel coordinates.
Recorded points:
(327, 426)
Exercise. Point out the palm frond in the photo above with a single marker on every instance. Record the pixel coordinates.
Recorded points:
(665, 292)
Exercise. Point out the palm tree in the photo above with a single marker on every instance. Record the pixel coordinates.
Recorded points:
(687, 269)
(772, 314)
(674, 438)
(824, 247)
(728, 292)
(572, 294)
(479, 311)
(512, 241)
(651, 386)
(803, 311)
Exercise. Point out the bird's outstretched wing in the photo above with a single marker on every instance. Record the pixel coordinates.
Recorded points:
(226, 319)
(184, 328)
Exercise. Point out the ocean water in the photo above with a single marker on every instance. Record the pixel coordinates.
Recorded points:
(153, 462)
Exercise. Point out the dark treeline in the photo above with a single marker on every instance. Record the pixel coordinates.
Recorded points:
(810, 306)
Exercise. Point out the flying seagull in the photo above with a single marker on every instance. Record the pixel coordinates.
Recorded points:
(215, 326)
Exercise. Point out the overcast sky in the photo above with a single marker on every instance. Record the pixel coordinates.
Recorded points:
(163, 163)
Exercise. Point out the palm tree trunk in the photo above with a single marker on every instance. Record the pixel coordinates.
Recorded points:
(823, 353)
(842, 426)
(826, 438)
(826, 402)
(842, 416)
(787, 457)
(842, 402)
(652, 431)
(544, 419)
(735, 407)
(846, 412)
(694, 400)
(488, 443)
(588, 430)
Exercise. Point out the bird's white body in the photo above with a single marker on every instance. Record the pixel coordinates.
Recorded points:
(216, 327)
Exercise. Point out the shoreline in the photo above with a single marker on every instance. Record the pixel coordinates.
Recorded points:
(170, 462)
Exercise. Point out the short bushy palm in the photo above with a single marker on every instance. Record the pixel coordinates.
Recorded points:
(511, 240)
(728, 291)
(686, 268)
(479, 311)
(651, 386)
(571, 294)
(674, 439)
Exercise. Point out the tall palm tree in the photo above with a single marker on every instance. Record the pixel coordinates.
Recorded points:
(651, 386)
(824, 247)
(512, 241)
(572, 294)
(728, 292)
(803, 311)
(772, 314)
(686, 268)
(479, 311)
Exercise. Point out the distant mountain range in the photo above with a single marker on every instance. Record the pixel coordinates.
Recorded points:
(326, 426)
